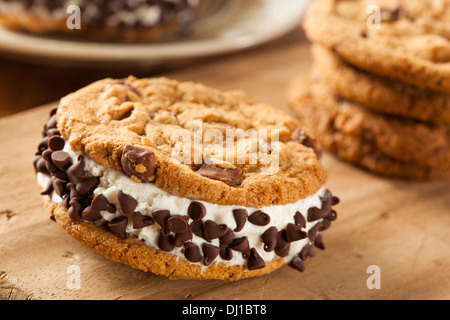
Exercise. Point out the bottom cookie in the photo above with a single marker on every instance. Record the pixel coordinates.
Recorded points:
(357, 150)
(136, 254)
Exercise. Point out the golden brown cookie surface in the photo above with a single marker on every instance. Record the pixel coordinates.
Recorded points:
(381, 94)
(162, 115)
(404, 40)
(350, 133)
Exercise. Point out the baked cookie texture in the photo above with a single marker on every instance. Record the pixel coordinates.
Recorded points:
(376, 95)
(149, 112)
(380, 94)
(111, 177)
(115, 20)
(411, 44)
(351, 133)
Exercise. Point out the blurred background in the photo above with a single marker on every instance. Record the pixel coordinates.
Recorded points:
(42, 59)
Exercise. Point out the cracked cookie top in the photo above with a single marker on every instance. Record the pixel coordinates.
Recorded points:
(193, 141)
(405, 40)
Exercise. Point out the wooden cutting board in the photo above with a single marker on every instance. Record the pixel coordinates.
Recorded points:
(402, 228)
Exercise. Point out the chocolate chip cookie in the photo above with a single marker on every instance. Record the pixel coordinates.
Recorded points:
(140, 20)
(380, 94)
(403, 40)
(184, 180)
(388, 146)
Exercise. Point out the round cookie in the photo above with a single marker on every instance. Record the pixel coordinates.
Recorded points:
(359, 150)
(381, 94)
(409, 43)
(104, 117)
(401, 138)
(140, 20)
(123, 213)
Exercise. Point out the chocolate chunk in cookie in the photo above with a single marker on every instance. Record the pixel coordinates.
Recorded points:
(138, 163)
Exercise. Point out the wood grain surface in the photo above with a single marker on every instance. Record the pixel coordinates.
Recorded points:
(400, 226)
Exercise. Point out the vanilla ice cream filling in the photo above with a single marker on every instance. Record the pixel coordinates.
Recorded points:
(151, 198)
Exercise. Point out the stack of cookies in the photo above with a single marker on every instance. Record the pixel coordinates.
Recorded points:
(379, 92)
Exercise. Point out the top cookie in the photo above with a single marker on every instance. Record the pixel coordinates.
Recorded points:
(193, 141)
(405, 40)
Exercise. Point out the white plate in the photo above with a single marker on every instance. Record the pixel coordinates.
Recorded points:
(236, 25)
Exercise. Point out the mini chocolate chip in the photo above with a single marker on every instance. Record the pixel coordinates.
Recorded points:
(181, 238)
(60, 187)
(75, 210)
(227, 238)
(43, 145)
(241, 245)
(36, 159)
(332, 216)
(325, 225)
(51, 123)
(305, 252)
(56, 143)
(299, 220)
(210, 253)
(61, 159)
(213, 230)
(269, 237)
(44, 130)
(197, 228)
(255, 261)
(196, 211)
(48, 189)
(89, 214)
(47, 155)
(118, 226)
(240, 216)
(77, 169)
(318, 242)
(282, 247)
(226, 253)
(73, 193)
(177, 224)
(139, 163)
(161, 216)
(312, 233)
(53, 132)
(140, 221)
(294, 233)
(335, 201)
(192, 252)
(51, 167)
(315, 214)
(65, 202)
(297, 264)
(126, 202)
(166, 241)
(259, 218)
(225, 175)
(41, 166)
(101, 203)
(87, 186)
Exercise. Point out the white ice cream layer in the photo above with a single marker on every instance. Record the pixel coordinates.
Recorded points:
(151, 198)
